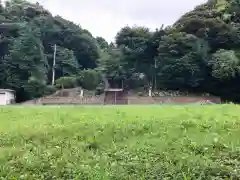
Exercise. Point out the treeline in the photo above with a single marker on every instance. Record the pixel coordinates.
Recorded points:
(28, 35)
(199, 53)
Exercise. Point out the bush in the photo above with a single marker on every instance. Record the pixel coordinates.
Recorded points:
(140, 94)
(33, 89)
(48, 90)
(99, 91)
(66, 82)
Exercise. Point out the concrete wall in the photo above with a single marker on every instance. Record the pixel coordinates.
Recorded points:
(2, 98)
(10, 97)
(6, 97)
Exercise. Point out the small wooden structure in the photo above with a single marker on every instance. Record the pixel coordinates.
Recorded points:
(115, 96)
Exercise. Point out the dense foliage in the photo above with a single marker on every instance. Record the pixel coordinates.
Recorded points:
(28, 35)
(199, 53)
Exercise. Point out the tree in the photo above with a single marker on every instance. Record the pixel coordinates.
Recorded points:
(199, 53)
(89, 79)
(180, 63)
(111, 64)
(80, 41)
(225, 64)
(28, 33)
(103, 44)
(26, 63)
(138, 56)
(66, 63)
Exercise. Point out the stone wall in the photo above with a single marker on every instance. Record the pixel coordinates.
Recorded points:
(99, 100)
(173, 100)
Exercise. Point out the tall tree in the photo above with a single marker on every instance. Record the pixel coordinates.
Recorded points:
(66, 63)
(180, 61)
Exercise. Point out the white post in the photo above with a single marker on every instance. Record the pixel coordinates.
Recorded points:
(54, 63)
(81, 93)
(150, 92)
(155, 65)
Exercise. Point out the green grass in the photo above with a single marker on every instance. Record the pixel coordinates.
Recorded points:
(120, 142)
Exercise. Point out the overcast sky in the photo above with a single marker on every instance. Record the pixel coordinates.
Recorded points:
(106, 17)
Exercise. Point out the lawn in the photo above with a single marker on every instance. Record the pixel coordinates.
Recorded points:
(120, 142)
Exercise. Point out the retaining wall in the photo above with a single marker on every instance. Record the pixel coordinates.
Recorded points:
(99, 100)
(172, 100)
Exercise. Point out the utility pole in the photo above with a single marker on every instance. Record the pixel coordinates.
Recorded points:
(155, 73)
(54, 63)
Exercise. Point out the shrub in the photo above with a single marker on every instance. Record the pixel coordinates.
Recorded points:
(140, 94)
(99, 91)
(48, 90)
(33, 89)
(66, 82)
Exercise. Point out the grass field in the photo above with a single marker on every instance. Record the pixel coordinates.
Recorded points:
(120, 142)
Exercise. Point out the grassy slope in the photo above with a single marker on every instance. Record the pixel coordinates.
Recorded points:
(125, 142)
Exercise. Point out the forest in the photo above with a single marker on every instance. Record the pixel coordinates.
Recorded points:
(199, 53)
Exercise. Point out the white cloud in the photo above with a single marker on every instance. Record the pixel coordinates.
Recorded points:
(106, 17)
